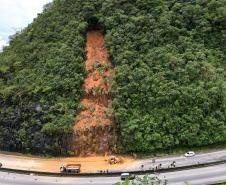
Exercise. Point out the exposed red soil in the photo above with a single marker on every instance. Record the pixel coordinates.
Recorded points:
(94, 124)
(88, 164)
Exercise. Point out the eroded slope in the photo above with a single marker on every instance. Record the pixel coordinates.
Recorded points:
(94, 121)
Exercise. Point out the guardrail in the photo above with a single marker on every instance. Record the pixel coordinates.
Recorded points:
(115, 173)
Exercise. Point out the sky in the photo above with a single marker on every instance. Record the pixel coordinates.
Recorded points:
(17, 14)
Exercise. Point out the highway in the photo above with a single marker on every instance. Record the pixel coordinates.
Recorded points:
(52, 165)
(201, 158)
(199, 176)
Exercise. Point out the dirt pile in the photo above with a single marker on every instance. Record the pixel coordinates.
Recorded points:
(93, 127)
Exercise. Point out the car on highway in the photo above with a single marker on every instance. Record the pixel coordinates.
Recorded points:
(129, 176)
(189, 154)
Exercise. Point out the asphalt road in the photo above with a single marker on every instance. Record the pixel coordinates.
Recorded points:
(199, 176)
(10, 161)
(180, 161)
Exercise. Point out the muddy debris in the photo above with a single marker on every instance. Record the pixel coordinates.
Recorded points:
(93, 127)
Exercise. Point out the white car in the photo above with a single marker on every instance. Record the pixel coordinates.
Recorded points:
(189, 154)
(128, 176)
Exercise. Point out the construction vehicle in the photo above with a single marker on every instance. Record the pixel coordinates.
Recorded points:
(70, 168)
(114, 160)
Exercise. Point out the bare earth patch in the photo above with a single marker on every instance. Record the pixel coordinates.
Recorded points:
(93, 126)
(88, 164)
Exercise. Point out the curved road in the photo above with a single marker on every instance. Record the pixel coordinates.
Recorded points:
(180, 161)
(15, 162)
(201, 176)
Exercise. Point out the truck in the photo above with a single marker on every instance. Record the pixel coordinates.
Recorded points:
(70, 168)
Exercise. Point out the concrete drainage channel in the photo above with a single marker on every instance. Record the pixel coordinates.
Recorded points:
(110, 174)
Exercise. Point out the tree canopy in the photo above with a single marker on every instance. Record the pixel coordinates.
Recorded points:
(168, 86)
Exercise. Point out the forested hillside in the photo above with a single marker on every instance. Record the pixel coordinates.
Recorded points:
(168, 87)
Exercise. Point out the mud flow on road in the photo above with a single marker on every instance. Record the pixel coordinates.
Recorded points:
(93, 127)
(89, 164)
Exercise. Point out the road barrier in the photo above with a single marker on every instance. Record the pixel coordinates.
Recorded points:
(110, 173)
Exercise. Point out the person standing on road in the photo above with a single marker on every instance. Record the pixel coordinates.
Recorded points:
(142, 167)
(62, 168)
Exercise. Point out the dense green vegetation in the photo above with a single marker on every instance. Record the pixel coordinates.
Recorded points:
(145, 180)
(168, 83)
